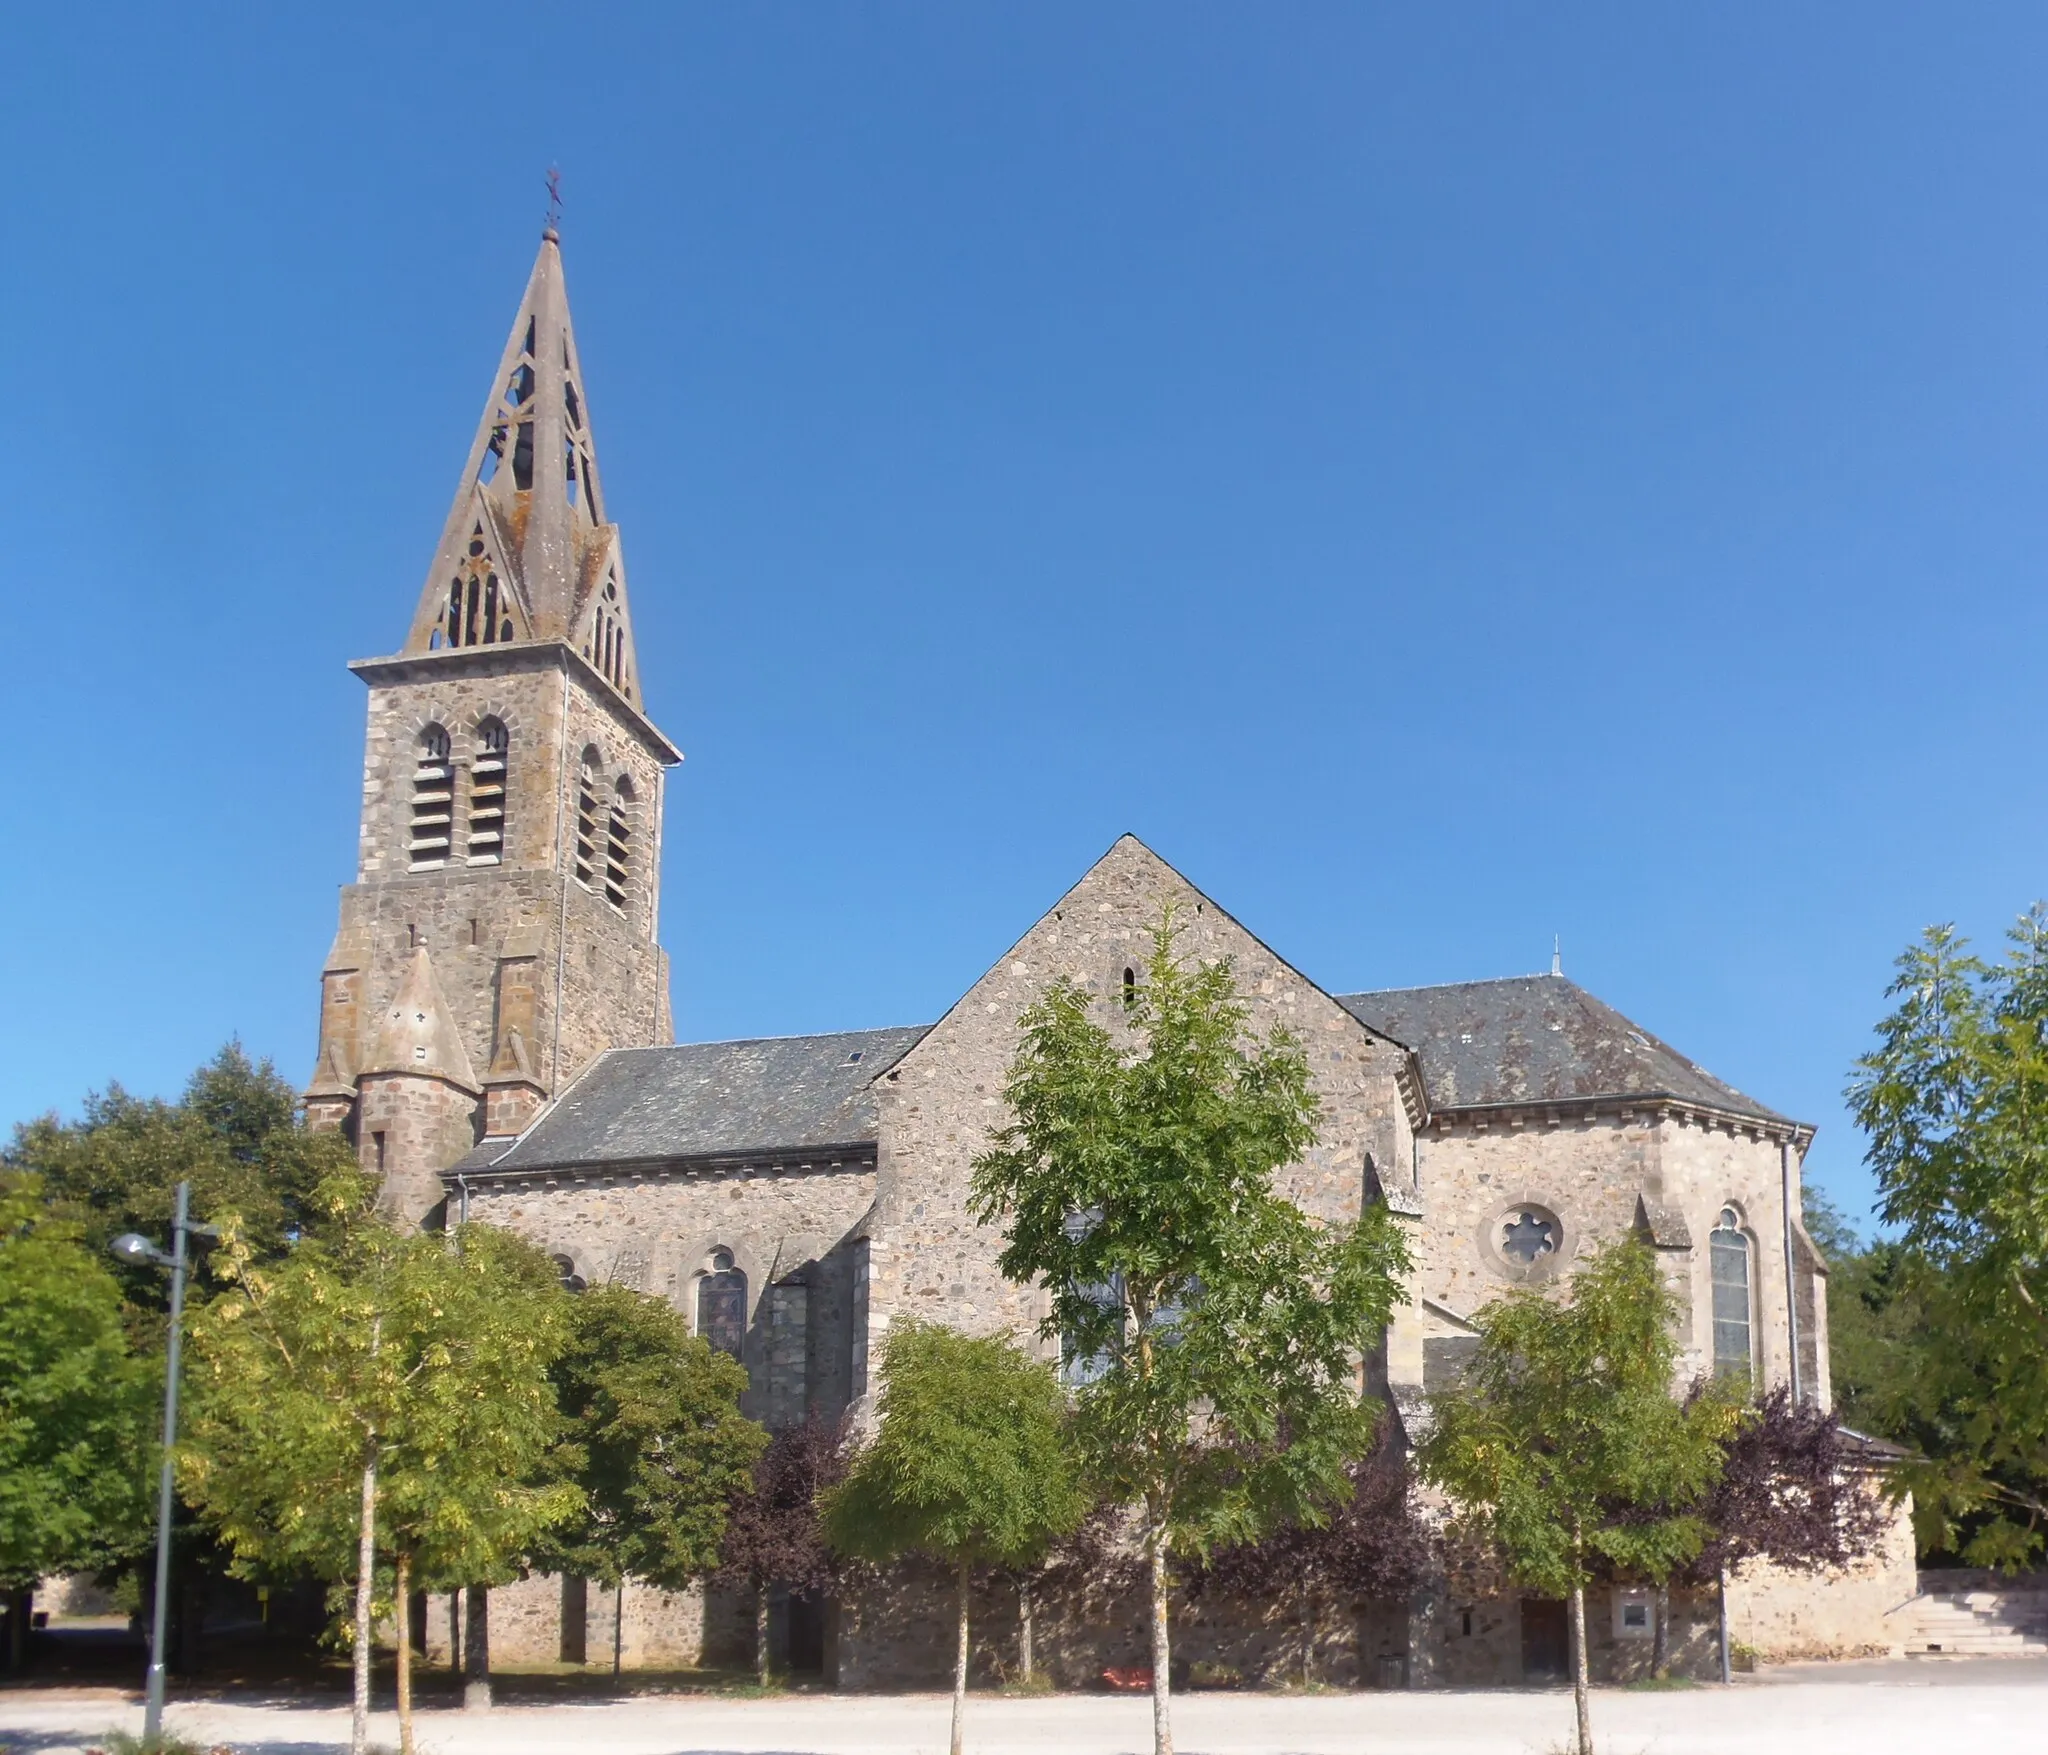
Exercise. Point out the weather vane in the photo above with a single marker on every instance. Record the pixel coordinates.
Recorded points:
(554, 198)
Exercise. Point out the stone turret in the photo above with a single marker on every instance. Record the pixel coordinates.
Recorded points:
(417, 1095)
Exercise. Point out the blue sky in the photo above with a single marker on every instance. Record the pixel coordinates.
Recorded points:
(1443, 476)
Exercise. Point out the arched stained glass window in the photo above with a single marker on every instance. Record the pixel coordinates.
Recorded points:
(722, 1304)
(1728, 1256)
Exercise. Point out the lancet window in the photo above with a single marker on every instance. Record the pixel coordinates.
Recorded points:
(489, 777)
(433, 801)
(618, 843)
(606, 647)
(1728, 1253)
(479, 607)
(586, 820)
(722, 1304)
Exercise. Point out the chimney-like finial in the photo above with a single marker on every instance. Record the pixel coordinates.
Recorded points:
(552, 231)
(1557, 953)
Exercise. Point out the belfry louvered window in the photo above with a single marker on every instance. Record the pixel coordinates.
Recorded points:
(433, 801)
(488, 776)
(618, 844)
(586, 822)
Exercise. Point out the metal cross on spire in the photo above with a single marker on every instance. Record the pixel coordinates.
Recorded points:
(554, 199)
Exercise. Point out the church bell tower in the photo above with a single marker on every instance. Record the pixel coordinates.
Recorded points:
(502, 927)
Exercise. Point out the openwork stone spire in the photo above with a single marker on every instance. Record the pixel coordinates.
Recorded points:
(526, 554)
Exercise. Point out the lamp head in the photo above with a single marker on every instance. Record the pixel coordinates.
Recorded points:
(136, 1251)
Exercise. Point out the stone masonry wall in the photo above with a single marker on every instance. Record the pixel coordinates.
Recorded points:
(1590, 1172)
(939, 1104)
(1790, 1617)
(655, 1231)
(594, 975)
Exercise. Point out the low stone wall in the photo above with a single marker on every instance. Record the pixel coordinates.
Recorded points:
(896, 1629)
(1789, 1617)
(660, 1631)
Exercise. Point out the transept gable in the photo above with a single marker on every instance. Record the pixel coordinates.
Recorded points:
(1099, 935)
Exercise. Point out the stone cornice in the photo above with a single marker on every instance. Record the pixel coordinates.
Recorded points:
(854, 1156)
(531, 655)
(1511, 1118)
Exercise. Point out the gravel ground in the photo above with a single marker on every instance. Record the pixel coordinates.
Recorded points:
(1857, 1709)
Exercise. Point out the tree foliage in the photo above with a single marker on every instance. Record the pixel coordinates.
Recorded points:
(968, 1466)
(1372, 1547)
(377, 1396)
(1221, 1326)
(653, 1437)
(1563, 1447)
(774, 1533)
(77, 1404)
(968, 1463)
(1953, 1102)
(1792, 1489)
(233, 1135)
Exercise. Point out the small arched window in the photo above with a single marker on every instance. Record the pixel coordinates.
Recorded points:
(1130, 988)
(618, 843)
(488, 778)
(1728, 1256)
(586, 819)
(722, 1304)
(433, 802)
(565, 1271)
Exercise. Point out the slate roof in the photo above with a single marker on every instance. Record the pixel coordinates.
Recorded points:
(1537, 1039)
(711, 1099)
(1529, 1039)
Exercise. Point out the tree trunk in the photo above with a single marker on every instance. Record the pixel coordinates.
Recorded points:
(960, 1664)
(401, 1595)
(1162, 1650)
(21, 1606)
(1579, 1687)
(1660, 1644)
(1308, 1638)
(366, 1585)
(476, 1649)
(761, 1630)
(1025, 1671)
(618, 1628)
(1727, 1666)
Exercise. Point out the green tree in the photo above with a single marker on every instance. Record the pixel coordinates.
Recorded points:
(652, 1436)
(76, 1405)
(234, 1135)
(1954, 1104)
(1213, 1331)
(377, 1397)
(1563, 1443)
(968, 1466)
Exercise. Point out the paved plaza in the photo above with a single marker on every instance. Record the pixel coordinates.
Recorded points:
(1855, 1709)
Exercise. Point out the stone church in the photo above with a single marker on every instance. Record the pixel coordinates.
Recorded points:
(495, 1039)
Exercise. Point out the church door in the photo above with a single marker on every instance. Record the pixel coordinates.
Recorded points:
(1546, 1640)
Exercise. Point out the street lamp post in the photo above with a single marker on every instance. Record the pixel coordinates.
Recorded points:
(138, 1251)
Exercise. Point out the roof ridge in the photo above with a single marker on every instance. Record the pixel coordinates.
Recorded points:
(1443, 986)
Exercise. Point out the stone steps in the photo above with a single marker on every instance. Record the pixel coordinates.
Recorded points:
(1978, 1622)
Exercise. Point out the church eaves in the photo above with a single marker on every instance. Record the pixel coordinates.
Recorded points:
(527, 554)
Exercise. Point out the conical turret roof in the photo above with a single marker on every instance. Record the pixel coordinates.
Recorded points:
(417, 1033)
